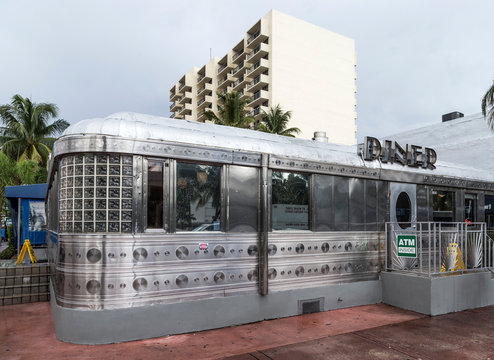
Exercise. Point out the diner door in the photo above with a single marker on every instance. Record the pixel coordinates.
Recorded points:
(403, 205)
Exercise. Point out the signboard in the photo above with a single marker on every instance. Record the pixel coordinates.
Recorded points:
(407, 245)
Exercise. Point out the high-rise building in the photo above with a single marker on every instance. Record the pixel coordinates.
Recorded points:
(282, 60)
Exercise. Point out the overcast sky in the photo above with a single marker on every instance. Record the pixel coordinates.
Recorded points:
(416, 60)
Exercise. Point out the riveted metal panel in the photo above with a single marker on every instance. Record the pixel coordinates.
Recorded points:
(243, 194)
(356, 209)
(382, 204)
(340, 204)
(323, 203)
(370, 205)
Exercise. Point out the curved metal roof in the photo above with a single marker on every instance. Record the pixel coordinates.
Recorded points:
(147, 127)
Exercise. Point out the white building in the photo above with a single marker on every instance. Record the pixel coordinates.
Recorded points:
(282, 60)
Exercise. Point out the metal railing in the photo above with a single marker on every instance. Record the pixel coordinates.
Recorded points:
(434, 248)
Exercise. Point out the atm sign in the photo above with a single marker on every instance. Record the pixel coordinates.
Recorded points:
(407, 245)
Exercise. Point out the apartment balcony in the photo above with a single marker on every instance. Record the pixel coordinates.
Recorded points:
(186, 110)
(206, 88)
(258, 52)
(258, 67)
(240, 69)
(239, 84)
(246, 95)
(175, 106)
(255, 39)
(178, 116)
(187, 97)
(257, 83)
(258, 111)
(226, 80)
(184, 87)
(201, 115)
(239, 56)
(258, 98)
(203, 79)
(223, 69)
(204, 102)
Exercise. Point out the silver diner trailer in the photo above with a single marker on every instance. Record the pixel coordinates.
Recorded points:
(160, 226)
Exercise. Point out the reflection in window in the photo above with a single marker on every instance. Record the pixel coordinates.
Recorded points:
(290, 201)
(155, 195)
(403, 210)
(470, 207)
(198, 197)
(443, 206)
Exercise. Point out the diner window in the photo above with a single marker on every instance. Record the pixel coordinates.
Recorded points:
(290, 201)
(198, 192)
(471, 207)
(155, 195)
(489, 211)
(443, 206)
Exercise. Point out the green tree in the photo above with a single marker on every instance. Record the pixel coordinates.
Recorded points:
(26, 133)
(231, 111)
(275, 121)
(488, 106)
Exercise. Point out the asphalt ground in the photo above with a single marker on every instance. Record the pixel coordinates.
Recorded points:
(366, 332)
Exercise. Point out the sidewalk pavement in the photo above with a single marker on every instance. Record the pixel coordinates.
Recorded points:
(366, 332)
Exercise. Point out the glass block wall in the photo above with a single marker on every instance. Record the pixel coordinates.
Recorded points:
(96, 193)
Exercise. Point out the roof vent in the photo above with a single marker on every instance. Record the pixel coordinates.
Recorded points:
(452, 115)
(320, 136)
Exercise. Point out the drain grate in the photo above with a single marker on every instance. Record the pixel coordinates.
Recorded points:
(310, 306)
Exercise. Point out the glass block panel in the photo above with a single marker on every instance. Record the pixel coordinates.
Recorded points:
(89, 215)
(69, 215)
(101, 192)
(89, 158)
(101, 227)
(63, 193)
(113, 227)
(114, 215)
(127, 181)
(79, 169)
(70, 181)
(70, 193)
(70, 203)
(113, 204)
(101, 181)
(89, 169)
(70, 170)
(100, 204)
(114, 169)
(64, 171)
(63, 216)
(127, 215)
(64, 182)
(77, 215)
(78, 181)
(68, 227)
(114, 181)
(78, 204)
(88, 227)
(114, 192)
(127, 193)
(115, 159)
(78, 192)
(101, 170)
(88, 204)
(127, 170)
(79, 159)
(78, 227)
(127, 160)
(101, 159)
(101, 215)
(89, 181)
(126, 204)
(126, 227)
(88, 193)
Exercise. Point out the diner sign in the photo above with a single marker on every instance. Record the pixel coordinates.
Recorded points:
(392, 152)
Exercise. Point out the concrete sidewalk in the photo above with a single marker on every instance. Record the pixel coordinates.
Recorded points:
(366, 332)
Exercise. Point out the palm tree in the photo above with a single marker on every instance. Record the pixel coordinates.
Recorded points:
(276, 121)
(27, 134)
(231, 111)
(488, 106)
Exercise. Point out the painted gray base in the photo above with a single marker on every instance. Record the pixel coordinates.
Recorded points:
(83, 326)
(438, 295)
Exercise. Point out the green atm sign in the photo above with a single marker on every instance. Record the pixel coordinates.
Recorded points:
(407, 245)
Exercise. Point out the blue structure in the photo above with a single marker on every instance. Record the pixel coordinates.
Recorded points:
(27, 210)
